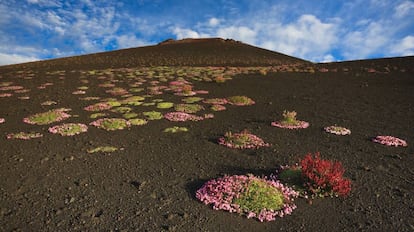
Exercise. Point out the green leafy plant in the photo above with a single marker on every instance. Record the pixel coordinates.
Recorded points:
(102, 149)
(260, 195)
(111, 124)
(240, 101)
(165, 105)
(188, 108)
(190, 100)
(153, 115)
(175, 129)
(138, 121)
(48, 117)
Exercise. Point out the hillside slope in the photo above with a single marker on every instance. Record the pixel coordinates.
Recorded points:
(186, 52)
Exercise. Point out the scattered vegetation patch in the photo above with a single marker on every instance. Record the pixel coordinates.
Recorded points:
(190, 100)
(389, 141)
(188, 108)
(182, 117)
(240, 101)
(138, 122)
(97, 115)
(111, 124)
(98, 106)
(153, 115)
(242, 140)
(102, 149)
(165, 105)
(48, 117)
(48, 103)
(130, 115)
(289, 121)
(69, 129)
(121, 109)
(337, 130)
(24, 135)
(175, 129)
(216, 101)
(248, 195)
(217, 108)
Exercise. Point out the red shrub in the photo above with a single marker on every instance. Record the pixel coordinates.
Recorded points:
(324, 176)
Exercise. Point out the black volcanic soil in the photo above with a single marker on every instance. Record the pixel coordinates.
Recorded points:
(53, 184)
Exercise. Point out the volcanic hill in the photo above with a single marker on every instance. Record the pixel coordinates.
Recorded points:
(86, 141)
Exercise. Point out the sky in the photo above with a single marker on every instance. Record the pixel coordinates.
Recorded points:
(314, 30)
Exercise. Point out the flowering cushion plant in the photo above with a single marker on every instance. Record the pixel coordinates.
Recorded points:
(48, 117)
(337, 130)
(182, 117)
(389, 141)
(111, 124)
(242, 140)
(69, 129)
(240, 101)
(248, 195)
(24, 135)
(290, 122)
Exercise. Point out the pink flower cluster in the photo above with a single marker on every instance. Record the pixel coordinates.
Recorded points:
(242, 140)
(13, 87)
(223, 192)
(337, 130)
(98, 107)
(101, 123)
(24, 135)
(182, 117)
(2, 120)
(389, 141)
(67, 129)
(60, 113)
(297, 125)
(6, 94)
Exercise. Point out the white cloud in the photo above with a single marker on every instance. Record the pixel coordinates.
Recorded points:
(404, 47)
(182, 33)
(6, 59)
(365, 42)
(242, 33)
(326, 59)
(128, 41)
(213, 22)
(404, 9)
(308, 37)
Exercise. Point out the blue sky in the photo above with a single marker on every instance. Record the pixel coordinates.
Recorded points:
(315, 30)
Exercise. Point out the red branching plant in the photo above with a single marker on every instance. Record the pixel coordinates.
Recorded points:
(324, 177)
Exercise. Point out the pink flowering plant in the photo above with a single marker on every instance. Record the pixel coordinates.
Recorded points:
(111, 124)
(289, 121)
(48, 117)
(182, 117)
(248, 195)
(2, 120)
(242, 140)
(98, 106)
(389, 141)
(337, 130)
(68, 129)
(24, 135)
(188, 108)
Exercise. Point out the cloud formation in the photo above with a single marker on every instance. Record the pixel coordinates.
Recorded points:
(329, 31)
